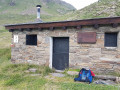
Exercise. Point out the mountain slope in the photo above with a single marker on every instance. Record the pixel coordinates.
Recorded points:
(18, 11)
(102, 8)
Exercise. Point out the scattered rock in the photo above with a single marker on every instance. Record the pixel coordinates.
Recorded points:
(32, 69)
(72, 72)
(35, 74)
(57, 74)
(105, 82)
(27, 71)
(49, 77)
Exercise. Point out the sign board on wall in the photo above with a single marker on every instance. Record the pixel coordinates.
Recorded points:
(86, 37)
(15, 38)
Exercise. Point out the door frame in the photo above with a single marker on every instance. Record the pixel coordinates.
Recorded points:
(51, 51)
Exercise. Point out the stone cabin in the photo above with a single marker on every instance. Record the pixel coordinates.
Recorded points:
(93, 43)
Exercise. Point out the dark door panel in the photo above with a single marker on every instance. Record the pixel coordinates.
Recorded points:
(60, 53)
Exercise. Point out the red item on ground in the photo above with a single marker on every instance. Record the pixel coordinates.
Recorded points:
(92, 73)
(12, 45)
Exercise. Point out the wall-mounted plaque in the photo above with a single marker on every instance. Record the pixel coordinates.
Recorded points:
(15, 38)
(86, 37)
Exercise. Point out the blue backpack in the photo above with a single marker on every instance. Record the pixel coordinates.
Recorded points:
(84, 76)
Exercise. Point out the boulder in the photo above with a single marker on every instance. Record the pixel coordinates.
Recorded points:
(57, 74)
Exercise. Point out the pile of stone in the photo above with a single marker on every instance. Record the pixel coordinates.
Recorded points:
(105, 82)
(108, 77)
(58, 74)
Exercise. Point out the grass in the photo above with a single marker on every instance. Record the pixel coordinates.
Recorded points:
(82, 86)
(5, 39)
(14, 77)
(74, 70)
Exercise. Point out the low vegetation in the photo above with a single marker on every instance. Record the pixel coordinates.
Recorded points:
(5, 39)
(16, 11)
(13, 76)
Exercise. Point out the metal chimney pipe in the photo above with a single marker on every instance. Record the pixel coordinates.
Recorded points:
(38, 11)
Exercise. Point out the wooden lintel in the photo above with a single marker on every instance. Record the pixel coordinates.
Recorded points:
(40, 29)
(96, 26)
(79, 27)
(51, 28)
(21, 29)
(114, 25)
(29, 29)
(64, 28)
(11, 30)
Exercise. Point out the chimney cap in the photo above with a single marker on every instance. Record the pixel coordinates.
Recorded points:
(38, 6)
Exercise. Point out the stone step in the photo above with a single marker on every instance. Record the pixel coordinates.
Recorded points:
(58, 74)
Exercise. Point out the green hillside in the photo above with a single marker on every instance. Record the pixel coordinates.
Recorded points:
(18, 11)
(102, 8)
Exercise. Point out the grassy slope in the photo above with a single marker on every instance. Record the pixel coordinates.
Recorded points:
(5, 39)
(13, 77)
(22, 12)
(102, 8)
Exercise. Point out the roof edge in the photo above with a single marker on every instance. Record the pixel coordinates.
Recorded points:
(106, 20)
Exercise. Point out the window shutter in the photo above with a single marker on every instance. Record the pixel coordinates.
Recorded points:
(31, 39)
(87, 37)
(110, 39)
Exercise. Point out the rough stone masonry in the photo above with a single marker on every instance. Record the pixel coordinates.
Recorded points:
(95, 56)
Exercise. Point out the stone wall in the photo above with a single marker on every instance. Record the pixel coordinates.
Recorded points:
(95, 56)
